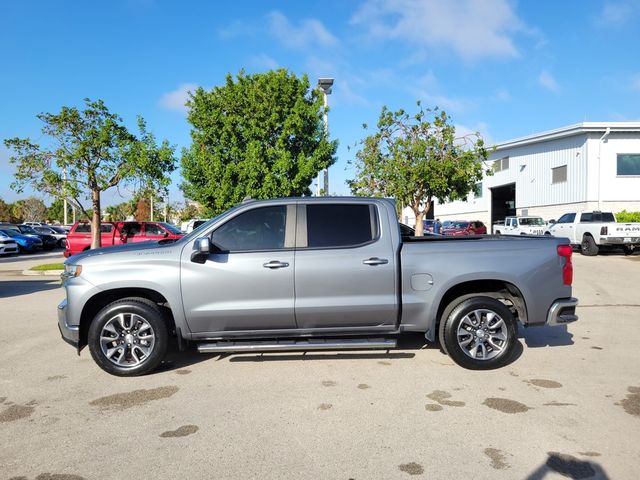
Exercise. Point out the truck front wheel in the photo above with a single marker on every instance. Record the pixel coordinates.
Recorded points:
(588, 246)
(129, 337)
(479, 333)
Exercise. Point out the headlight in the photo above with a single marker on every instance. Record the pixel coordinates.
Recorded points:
(72, 270)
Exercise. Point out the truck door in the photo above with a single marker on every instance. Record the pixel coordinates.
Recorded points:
(345, 267)
(248, 283)
(564, 227)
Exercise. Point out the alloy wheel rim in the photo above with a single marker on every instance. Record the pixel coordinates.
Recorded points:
(127, 340)
(482, 334)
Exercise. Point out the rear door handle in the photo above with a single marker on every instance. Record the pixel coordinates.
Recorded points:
(375, 261)
(275, 264)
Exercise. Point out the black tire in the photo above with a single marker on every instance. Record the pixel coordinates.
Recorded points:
(628, 249)
(503, 333)
(146, 323)
(588, 246)
(497, 232)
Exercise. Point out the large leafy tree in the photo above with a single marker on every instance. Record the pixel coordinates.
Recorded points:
(90, 151)
(31, 209)
(417, 158)
(259, 135)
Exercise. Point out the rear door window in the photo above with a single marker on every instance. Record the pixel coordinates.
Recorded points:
(340, 225)
(152, 230)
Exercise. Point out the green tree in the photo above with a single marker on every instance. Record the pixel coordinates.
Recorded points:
(31, 209)
(259, 135)
(5, 211)
(121, 211)
(55, 212)
(91, 151)
(417, 158)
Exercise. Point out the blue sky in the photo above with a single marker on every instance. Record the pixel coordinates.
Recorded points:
(504, 68)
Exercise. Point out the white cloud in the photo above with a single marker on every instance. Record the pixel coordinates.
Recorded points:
(502, 94)
(264, 61)
(466, 134)
(176, 99)
(235, 29)
(309, 32)
(428, 90)
(617, 13)
(546, 80)
(473, 28)
(635, 82)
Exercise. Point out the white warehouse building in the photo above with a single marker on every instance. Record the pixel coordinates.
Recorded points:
(586, 166)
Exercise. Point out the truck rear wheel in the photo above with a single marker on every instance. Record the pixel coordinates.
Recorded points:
(479, 334)
(129, 337)
(588, 246)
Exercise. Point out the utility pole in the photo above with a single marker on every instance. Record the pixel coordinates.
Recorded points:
(64, 192)
(325, 84)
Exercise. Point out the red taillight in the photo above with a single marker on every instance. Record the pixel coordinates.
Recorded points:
(567, 269)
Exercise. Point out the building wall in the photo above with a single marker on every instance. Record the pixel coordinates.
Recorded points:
(530, 168)
(613, 187)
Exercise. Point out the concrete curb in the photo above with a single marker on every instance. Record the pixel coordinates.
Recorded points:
(43, 272)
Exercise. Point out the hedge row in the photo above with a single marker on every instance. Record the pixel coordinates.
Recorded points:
(626, 217)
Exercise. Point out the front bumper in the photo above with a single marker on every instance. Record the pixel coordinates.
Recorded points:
(70, 333)
(562, 311)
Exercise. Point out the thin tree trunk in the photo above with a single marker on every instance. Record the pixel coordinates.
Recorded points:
(95, 220)
(419, 218)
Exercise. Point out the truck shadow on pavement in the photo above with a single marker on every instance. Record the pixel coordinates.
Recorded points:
(16, 288)
(537, 337)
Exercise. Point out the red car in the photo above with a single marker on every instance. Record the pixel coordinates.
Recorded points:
(463, 227)
(118, 233)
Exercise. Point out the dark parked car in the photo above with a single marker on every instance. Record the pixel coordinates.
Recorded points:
(59, 233)
(465, 228)
(25, 242)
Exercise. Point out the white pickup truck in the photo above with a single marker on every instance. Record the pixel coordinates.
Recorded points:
(521, 226)
(592, 231)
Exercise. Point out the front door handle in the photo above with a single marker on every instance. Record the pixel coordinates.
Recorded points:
(375, 261)
(275, 264)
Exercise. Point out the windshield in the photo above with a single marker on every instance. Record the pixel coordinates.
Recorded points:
(11, 233)
(27, 230)
(172, 228)
(58, 230)
(460, 225)
(532, 221)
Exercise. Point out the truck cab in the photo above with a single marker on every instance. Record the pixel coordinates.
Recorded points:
(524, 225)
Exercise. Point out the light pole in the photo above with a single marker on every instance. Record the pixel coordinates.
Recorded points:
(325, 84)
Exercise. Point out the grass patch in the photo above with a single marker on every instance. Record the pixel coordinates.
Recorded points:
(48, 266)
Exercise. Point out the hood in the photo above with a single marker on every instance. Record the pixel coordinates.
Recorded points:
(126, 249)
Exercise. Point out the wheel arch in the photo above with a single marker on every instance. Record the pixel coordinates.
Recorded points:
(499, 289)
(104, 298)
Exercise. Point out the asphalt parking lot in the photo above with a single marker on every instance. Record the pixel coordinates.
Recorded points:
(567, 407)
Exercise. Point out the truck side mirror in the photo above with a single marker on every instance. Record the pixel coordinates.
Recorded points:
(552, 221)
(201, 250)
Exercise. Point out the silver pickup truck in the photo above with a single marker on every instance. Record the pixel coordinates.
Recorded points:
(312, 274)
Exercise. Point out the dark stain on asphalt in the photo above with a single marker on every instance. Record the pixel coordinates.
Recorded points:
(183, 431)
(432, 407)
(411, 468)
(382, 362)
(32, 403)
(596, 348)
(442, 397)
(136, 398)
(505, 405)
(16, 412)
(557, 404)
(498, 458)
(184, 371)
(56, 377)
(590, 454)
(328, 383)
(569, 466)
(2, 399)
(586, 338)
(325, 406)
(514, 374)
(631, 404)
(539, 382)
(363, 386)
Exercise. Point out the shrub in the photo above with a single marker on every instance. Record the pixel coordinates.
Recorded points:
(626, 217)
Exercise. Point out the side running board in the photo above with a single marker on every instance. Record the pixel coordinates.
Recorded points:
(298, 345)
